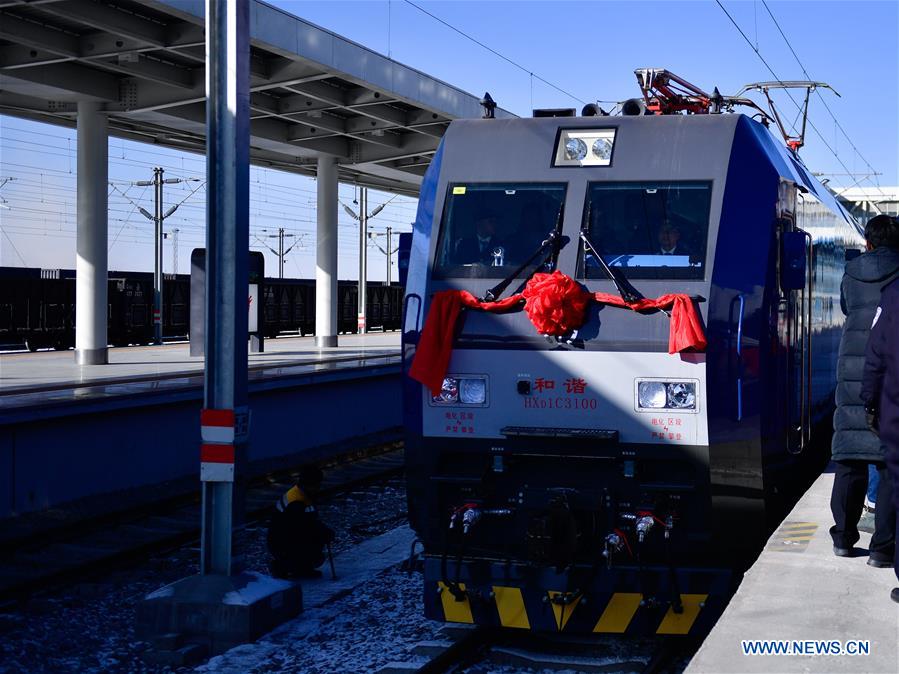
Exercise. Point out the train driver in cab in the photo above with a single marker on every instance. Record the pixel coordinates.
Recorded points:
(296, 536)
(670, 241)
(481, 246)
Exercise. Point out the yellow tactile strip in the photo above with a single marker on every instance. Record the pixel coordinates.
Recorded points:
(792, 536)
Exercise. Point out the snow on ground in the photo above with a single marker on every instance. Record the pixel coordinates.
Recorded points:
(90, 627)
(376, 623)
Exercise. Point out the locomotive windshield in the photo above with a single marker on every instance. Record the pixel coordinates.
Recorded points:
(489, 229)
(648, 230)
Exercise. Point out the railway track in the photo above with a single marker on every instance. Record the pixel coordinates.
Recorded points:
(52, 557)
(479, 649)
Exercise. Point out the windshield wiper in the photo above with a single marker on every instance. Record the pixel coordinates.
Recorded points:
(627, 292)
(553, 240)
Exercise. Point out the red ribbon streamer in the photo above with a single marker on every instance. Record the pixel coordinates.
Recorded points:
(556, 305)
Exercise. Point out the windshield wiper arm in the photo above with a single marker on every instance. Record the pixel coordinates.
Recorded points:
(552, 240)
(628, 294)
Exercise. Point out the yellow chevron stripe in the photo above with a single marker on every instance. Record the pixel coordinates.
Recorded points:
(562, 612)
(680, 623)
(619, 612)
(510, 605)
(797, 537)
(455, 611)
(790, 532)
(798, 525)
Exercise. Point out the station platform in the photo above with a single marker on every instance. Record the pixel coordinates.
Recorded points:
(799, 591)
(50, 378)
(130, 428)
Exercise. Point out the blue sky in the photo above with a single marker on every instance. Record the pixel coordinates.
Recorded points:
(588, 49)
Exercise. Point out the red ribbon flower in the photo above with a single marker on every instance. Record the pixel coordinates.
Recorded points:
(555, 303)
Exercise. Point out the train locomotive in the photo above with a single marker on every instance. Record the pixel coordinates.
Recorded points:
(594, 482)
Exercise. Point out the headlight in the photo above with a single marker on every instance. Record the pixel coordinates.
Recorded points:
(584, 147)
(682, 395)
(462, 391)
(575, 149)
(602, 149)
(473, 391)
(651, 394)
(672, 395)
(449, 393)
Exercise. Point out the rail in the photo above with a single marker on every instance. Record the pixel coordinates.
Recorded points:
(164, 526)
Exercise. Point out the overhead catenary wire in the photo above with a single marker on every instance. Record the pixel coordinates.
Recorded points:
(291, 190)
(13, 244)
(776, 77)
(126, 221)
(823, 100)
(522, 68)
(47, 193)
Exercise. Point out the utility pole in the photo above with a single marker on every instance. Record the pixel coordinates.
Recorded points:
(363, 217)
(173, 235)
(157, 259)
(204, 605)
(175, 250)
(363, 262)
(388, 251)
(389, 255)
(227, 276)
(281, 253)
(158, 218)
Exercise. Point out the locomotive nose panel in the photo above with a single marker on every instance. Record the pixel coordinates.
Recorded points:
(570, 391)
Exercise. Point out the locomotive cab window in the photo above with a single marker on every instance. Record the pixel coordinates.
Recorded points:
(647, 230)
(490, 229)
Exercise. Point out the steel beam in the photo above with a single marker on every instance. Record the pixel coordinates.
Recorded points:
(73, 78)
(108, 18)
(17, 30)
(154, 71)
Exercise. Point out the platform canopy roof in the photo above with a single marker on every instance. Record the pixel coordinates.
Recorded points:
(873, 193)
(313, 92)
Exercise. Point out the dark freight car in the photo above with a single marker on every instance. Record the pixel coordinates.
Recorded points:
(289, 306)
(37, 307)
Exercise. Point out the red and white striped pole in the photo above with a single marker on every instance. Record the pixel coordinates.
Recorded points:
(217, 448)
(225, 419)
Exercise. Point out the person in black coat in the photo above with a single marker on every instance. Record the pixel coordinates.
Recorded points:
(480, 247)
(854, 446)
(296, 536)
(880, 391)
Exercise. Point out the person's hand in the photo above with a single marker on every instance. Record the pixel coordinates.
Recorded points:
(871, 419)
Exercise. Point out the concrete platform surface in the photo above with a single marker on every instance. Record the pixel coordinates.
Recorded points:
(48, 370)
(798, 593)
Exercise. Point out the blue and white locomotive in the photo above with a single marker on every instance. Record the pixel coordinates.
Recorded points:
(595, 482)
